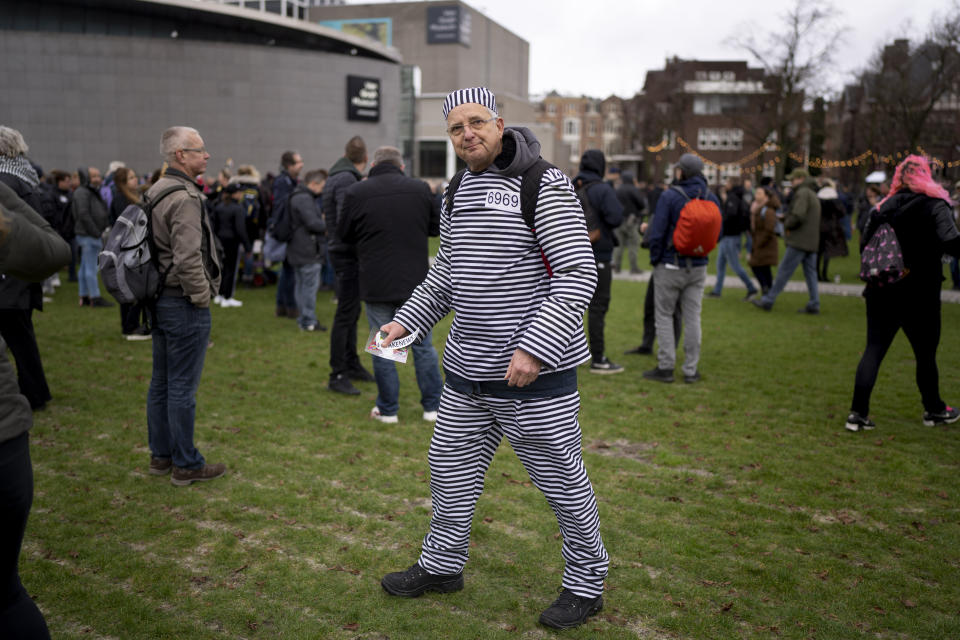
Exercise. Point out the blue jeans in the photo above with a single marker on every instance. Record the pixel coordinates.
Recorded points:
(286, 296)
(385, 371)
(792, 258)
(307, 278)
(89, 248)
(729, 253)
(955, 272)
(180, 339)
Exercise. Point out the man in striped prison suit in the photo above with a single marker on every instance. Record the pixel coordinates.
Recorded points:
(511, 355)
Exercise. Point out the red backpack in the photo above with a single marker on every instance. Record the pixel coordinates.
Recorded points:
(698, 227)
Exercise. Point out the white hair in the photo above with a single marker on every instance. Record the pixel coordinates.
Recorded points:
(11, 143)
(174, 139)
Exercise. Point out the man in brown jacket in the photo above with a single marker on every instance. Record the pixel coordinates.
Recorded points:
(187, 255)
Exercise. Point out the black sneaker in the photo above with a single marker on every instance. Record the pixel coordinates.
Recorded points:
(949, 415)
(342, 384)
(605, 367)
(360, 374)
(856, 422)
(416, 581)
(760, 304)
(642, 350)
(692, 379)
(712, 294)
(813, 311)
(750, 296)
(658, 374)
(570, 610)
(100, 302)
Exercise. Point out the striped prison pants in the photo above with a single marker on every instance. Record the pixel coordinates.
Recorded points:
(545, 434)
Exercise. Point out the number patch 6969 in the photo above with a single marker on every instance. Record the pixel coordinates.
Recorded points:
(503, 200)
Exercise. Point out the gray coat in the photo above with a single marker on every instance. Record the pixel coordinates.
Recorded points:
(90, 212)
(307, 245)
(31, 250)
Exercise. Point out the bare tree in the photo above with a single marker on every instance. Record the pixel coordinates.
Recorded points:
(796, 55)
(911, 90)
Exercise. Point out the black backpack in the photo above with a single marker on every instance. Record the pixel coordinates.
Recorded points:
(128, 263)
(881, 260)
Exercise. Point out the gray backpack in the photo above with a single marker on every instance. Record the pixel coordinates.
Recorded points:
(128, 263)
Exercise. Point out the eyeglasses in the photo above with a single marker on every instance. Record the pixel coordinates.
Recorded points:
(201, 150)
(476, 124)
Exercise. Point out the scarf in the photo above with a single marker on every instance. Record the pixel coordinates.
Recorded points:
(20, 167)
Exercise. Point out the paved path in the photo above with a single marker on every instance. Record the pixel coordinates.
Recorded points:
(731, 281)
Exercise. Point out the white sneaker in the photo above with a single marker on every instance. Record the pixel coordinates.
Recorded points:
(218, 299)
(430, 416)
(376, 415)
(231, 302)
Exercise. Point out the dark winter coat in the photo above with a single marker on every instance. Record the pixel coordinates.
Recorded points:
(388, 217)
(229, 223)
(307, 244)
(735, 212)
(89, 212)
(14, 292)
(802, 223)
(604, 201)
(833, 242)
(766, 247)
(342, 176)
(30, 250)
(925, 231)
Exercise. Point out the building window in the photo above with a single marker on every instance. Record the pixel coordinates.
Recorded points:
(571, 107)
(720, 139)
(552, 108)
(716, 104)
(571, 127)
(700, 75)
(592, 128)
(729, 76)
(432, 158)
(575, 151)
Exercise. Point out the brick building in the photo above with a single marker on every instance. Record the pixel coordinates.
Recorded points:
(582, 123)
(715, 109)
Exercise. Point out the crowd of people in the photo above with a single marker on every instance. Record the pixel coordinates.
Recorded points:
(520, 287)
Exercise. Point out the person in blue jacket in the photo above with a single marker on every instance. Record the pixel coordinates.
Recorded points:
(678, 277)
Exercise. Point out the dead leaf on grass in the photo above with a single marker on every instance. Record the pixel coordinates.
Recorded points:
(909, 604)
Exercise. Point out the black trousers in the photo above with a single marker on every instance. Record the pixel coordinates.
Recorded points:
(133, 315)
(650, 318)
(228, 275)
(764, 277)
(19, 617)
(16, 327)
(916, 310)
(343, 333)
(597, 311)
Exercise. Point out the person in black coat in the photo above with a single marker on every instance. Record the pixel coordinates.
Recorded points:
(609, 215)
(18, 298)
(229, 224)
(919, 211)
(388, 218)
(307, 248)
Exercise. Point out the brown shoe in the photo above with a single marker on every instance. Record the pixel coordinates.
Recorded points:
(160, 466)
(183, 477)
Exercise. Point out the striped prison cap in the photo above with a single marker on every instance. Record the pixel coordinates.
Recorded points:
(477, 95)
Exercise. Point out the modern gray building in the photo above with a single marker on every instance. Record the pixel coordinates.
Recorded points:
(446, 45)
(88, 82)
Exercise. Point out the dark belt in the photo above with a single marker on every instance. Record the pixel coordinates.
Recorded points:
(173, 292)
(547, 385)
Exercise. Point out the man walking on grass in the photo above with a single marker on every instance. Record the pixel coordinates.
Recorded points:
(511, 354)
(187, 254)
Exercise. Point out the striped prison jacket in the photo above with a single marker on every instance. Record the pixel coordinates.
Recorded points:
(490, 272)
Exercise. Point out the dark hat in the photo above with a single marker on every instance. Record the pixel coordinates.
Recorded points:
(798, 173)
(233, 187)
(690, 165)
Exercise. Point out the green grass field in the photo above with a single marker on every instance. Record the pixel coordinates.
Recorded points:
(735, 508)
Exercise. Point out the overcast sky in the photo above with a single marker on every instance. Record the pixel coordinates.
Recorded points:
(603, 47)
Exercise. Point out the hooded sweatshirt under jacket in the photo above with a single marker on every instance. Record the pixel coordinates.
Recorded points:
(490, 272)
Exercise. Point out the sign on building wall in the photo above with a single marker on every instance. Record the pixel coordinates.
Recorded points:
(378, 29)
(363, 99)
(448, 24)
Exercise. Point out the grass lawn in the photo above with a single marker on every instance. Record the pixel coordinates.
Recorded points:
(734, 508)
